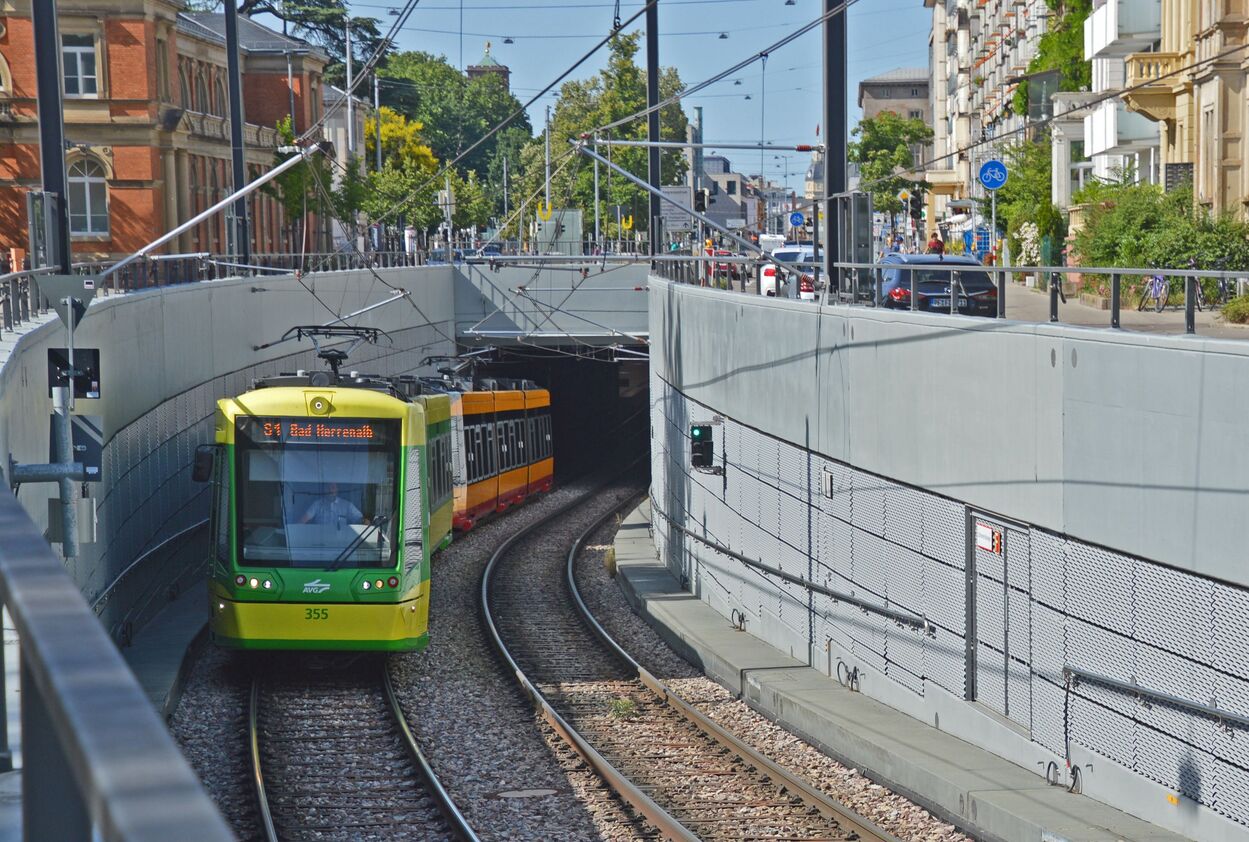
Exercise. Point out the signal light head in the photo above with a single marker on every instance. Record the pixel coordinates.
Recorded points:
(393, 581)
(240, 580)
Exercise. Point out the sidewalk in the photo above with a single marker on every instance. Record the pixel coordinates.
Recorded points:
(1029, 305)
(968, 786)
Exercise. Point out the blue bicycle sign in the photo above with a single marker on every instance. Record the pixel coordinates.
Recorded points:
(796, 218)
(993, 174)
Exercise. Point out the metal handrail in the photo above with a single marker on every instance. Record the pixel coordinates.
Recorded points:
(96, 755)
(1074, 675)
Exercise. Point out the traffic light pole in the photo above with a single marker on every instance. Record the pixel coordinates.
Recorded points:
(654, 177)
(242, 239)
(48, 87)
(834, 123)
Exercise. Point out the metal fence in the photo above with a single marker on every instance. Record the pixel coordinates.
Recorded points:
(95, 754)
(864, 284)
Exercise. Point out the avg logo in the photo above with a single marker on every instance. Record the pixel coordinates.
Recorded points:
(316, 586)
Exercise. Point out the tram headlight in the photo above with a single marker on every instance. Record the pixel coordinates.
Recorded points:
(365, 585)
(378, 584)
(268, 584)
(254, 582)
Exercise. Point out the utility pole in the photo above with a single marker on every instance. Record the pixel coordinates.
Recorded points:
(505, 192)
(351, 111)
(290, 88)
(377, 119)
(547, 136)
(49, 87)
(597, 242)
(834, 126)
(654, 176)
(234, 81)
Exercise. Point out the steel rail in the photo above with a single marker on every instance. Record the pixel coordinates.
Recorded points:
(630, 792)
(258, 777)
(459, 824)
(827, 806)
(446, 805)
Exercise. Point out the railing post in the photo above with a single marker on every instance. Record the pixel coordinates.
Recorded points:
(1054, 296)
(52, 805)
(1190, 299)
(6, 311)
(955, 277)
(1115, 298)
(910, 274)
(1001, 294)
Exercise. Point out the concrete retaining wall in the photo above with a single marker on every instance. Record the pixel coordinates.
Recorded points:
(1106, 465)
(166, 356)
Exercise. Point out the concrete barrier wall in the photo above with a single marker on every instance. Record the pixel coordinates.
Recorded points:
(166, 356)
(1105, 464)
(533, 302)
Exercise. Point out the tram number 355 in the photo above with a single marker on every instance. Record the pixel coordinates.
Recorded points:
(316, 613)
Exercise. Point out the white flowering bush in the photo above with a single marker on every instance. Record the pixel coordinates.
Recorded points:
(1029, 238)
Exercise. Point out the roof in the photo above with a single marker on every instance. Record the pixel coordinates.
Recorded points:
(899, 74)
(253, 37)
(488, 60)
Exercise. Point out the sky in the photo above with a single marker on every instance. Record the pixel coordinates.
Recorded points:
(549, 35)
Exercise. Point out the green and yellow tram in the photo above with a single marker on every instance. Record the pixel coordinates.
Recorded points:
(329, 495)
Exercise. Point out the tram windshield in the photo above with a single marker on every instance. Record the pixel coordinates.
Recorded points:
(317, 493)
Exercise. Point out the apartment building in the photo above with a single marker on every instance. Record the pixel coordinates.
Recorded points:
(979, 51)
(903, 91)
(1193, 86)
(146, 122)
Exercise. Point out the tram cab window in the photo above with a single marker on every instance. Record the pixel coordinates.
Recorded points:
(316, 502)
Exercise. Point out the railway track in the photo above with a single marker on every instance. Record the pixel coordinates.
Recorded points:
(333, 758)
(684, 774)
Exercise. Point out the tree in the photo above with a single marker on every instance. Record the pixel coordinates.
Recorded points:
(408, 194)
(402, 141)
(320, 22)
(1061, 48)
(882, 151)
(616, 92)
(296, 189)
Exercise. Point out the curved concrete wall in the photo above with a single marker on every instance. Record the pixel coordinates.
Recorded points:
(166, 356)
(1107, 462)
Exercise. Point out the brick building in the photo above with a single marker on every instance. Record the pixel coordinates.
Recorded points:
(146, 122)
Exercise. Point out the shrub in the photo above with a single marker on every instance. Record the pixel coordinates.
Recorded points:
(1237, 310)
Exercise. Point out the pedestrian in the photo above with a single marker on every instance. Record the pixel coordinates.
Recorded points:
(935, 245)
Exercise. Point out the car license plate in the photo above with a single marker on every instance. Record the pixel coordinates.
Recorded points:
(944, 303)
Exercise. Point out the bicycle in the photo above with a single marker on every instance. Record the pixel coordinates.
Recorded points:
(1156, 289)
(1199, 294)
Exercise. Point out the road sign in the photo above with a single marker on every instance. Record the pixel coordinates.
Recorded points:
(904, 195)
(87, 364)
(993, 174)
(796, 218)
(78, 290)
(87, 432)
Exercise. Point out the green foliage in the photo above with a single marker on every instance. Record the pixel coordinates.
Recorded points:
(402, 141)
(407, 191)
(1141, 226)
(884, 148)
(1028, 188)
(296, 189)
(347, 197)
(623, 708)
(1061, 48)
(1237, 310)
(614, 93)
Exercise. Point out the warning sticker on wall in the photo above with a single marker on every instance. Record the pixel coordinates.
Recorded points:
(988, 537)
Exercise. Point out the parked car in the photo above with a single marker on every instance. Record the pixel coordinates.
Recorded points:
(807, 284)
(932, 276)
(438, 256)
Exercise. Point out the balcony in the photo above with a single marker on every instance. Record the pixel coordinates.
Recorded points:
(1156, 80)
(1111, 129)
(1119, 27)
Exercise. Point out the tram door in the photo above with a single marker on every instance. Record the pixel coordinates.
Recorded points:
(999, 640)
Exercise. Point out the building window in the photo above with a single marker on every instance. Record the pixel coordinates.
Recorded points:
(184, 86)
(915, 115)
(730, 187)
(221, 97)
(78, 58)
(162, 70)
(202, 103)
(914, 91)
(88, 198)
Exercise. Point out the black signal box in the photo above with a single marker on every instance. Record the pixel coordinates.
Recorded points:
(702, 446)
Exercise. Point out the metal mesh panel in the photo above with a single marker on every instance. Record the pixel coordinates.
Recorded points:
(945, 597)
(905, 649)
(868, 502)
(904, 517)
(1047, 714)
(1099, 586)
(1231, 790)
(945, 530)
(904, 578)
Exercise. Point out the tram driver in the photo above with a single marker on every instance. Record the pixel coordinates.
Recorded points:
(329, 507)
